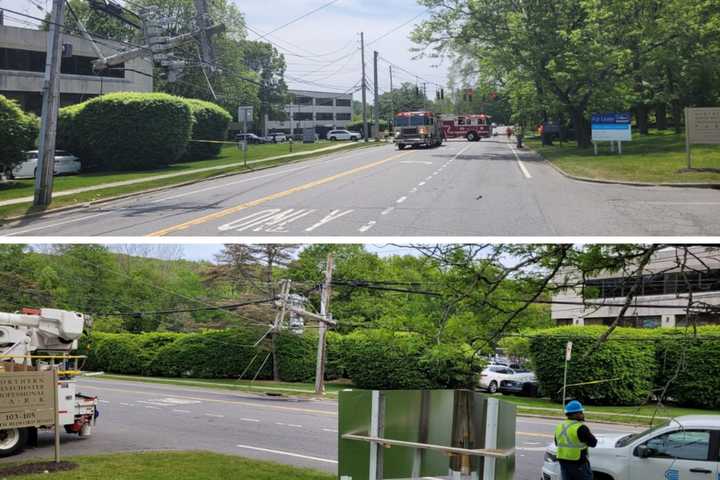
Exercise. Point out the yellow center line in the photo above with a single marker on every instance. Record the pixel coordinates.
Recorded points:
(274, 196)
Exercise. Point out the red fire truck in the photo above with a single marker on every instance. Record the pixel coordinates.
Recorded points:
(472, 127)
(417, 129)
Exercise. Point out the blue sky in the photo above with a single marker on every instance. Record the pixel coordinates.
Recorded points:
(332, 33)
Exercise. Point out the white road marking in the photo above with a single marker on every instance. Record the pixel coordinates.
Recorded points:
(289, 454)
(174, 401)
(401, 199)
(124, 404)
(421, 184)
(294, 425)
(334, 215)
(156, 403)
(414, 190)
(329, 430)
(177, 410)
(416, 161)
(104, 401)
(428, 178)
(387, 210)
(215, 415)
(367, 226)
(521, 164)
(273, 218)
(150, 406)
(56, 224)
(254, 420)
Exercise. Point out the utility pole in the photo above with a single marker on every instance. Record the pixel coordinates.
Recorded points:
(277, 325)
(376, 110)
(391, 120)
(50, 105)
(325, 314)
(425, 95)
(364, 95)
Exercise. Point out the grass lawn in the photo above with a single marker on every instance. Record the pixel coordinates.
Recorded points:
(603, 413)
(259, 386)
(230, 157)
(174, 466)
(655, 158)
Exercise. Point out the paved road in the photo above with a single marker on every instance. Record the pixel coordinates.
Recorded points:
(140, 416)
(459, 189)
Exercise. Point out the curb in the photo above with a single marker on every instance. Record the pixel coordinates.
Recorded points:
(78, 206)
(714, 186)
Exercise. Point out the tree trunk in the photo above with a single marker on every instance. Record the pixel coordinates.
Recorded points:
(582, 130)
(661, 116)
(677, 114)
(641, 113)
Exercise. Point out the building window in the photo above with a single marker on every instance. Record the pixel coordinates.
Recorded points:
(32, 61)
(324, 116)
(343, 116)
(658, 284)
(299, 116)
(343, 102)
(301, 100)
(324, 102)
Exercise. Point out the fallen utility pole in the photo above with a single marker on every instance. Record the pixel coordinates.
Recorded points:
(376, 110)
(50, 106)
(364, 85)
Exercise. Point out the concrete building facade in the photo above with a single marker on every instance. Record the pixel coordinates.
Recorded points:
(322, 111)
(22, 67)
(662, 299)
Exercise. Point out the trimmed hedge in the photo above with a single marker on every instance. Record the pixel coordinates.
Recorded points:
(209, 122)
(637, 361)
(18, 132)
(124, 131)
(297, 355)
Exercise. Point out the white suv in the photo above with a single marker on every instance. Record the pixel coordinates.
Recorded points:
(494, 374)
(684, 448)
(343, 135)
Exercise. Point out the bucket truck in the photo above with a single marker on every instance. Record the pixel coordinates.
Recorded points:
(42, 339)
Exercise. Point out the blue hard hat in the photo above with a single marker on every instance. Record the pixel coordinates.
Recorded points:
(574, 407)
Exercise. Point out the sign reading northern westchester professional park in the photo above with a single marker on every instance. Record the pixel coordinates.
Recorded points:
(611, 127)
(26, 399)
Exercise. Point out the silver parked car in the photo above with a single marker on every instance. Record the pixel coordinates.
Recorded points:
(65, 163)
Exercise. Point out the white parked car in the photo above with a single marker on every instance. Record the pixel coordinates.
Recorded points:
(64, 163)
(494, 374)
(343, 135)
(684, 448)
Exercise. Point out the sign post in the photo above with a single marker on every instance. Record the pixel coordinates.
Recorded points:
(702, 127)
(568, 356)
(611, 127)
(245, 115)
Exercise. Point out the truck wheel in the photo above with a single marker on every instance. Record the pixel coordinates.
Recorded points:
(12, 441)
(493, 387)
(472, 137)
(400, 146)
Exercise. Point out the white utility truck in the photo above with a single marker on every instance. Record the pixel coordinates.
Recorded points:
(38, 340)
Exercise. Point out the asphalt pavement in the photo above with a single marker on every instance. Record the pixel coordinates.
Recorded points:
(486, 188)
(301, 432)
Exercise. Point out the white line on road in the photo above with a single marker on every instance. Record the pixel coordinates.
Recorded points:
(520, 163)
(329, 430)
(124, 404)
(56, 224)
(289, 454)
(421, 184)
(367, 226)
(401, 200)
(254, 420)
(177, 410)
(215, 415)
(150, 406)
(387, 210)
(104, 401)
(414, 190)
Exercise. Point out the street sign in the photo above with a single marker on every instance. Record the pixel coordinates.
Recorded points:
(703, 126)
(245, 114)
(551, 127)
(611, 127)
(568, 351)
(26, 399)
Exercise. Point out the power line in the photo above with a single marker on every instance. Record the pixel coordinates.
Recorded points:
(389, 32)
(299, 18)
(188, 310)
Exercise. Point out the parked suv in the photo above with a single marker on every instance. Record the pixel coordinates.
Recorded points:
(493, 375)
(249, 138)
(343, 135)
(684, 448)
(276, 137)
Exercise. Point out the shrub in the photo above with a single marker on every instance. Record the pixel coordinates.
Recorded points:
(114, 353)
(221, 354)
(67, 137)
(451, 366)
(123, 131)
(628, 366)
(297, 355)
(18, 132)
(209, 122)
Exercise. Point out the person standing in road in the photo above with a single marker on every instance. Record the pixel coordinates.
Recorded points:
(573, 438)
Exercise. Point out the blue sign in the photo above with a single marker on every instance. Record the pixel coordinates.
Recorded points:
(672, 475)
(612, 118)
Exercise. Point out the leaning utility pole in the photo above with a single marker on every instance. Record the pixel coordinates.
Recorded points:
(364, 96)
(376, 110)
(50, 105)
(203, 23)
(325, 314)
(277, 326)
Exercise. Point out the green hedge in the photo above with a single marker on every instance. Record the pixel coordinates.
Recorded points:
(638, 362)
(124, 131)
(209, 122)
(297, 355)
(18, 132)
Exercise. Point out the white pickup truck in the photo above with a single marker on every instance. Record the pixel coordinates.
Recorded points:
(684, 448)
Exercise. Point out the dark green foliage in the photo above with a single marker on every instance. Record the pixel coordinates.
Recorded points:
(67, 137)
(629, 366)
(220, 354)
(124, 131)
(297, 355)
(18, 132)
(451, 366)
(114, 353)
(209, 122)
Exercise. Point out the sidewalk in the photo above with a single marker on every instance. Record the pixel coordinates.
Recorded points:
(64, 193)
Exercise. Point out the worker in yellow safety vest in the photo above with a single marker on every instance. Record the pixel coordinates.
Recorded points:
(573, 438)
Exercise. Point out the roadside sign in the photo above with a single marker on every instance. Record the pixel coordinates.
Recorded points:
(551, 127)
(568, 351)
(245, 114)
(611, 127)
(702, 127)
(26, 399)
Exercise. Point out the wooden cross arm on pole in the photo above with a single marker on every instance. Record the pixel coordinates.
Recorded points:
(306, 314)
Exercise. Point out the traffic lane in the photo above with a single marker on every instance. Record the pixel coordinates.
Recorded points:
(129, 216)
(344, 206)
(586, 208)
